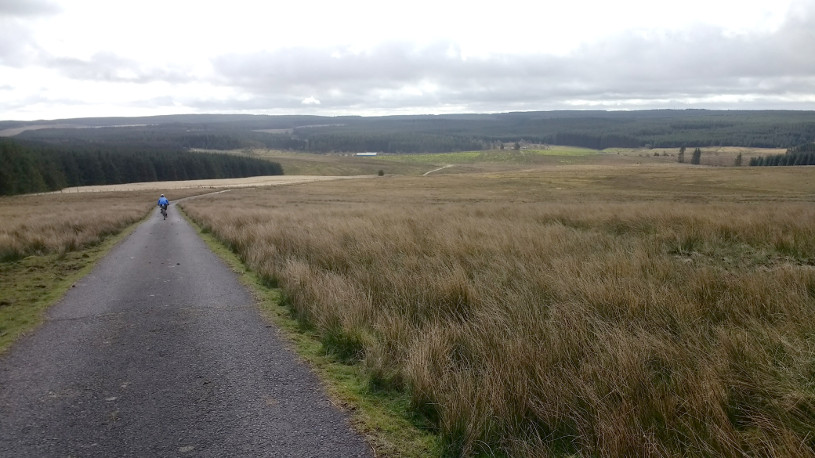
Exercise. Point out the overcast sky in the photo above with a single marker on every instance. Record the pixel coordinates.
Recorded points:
(77, 58)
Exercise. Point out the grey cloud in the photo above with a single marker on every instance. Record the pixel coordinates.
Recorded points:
(108, 67)
(695, 63)
(389, 64)
(17, 46)
(630, 70)
(27, 8)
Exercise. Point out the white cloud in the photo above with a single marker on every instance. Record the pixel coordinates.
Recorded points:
(366, 57)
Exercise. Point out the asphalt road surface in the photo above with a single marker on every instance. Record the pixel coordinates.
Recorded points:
(160, 351)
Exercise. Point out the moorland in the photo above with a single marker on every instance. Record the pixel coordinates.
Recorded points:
(42, 156)
(538, 300)
(600, 310)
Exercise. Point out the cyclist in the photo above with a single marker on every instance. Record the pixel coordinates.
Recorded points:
(163, 203)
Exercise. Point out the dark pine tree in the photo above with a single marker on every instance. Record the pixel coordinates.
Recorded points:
(697, 157)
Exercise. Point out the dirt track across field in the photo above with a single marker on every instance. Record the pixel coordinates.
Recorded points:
(160, 351)
(211, 184)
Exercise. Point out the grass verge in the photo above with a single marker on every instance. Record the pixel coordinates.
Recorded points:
(49, 241)
(34, 283)
(599, 311)
(384, 417)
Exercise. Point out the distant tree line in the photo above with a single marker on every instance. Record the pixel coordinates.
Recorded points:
(179, 137)
(27, 167)
(596, 129)
(440, 133)
(696, 158)
(800, 155)
(171, 137)
(390, 143)
(430, 134)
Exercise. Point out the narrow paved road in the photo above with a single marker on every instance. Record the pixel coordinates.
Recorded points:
(160, 351)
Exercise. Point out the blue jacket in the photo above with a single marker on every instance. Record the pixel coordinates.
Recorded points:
(163, 201)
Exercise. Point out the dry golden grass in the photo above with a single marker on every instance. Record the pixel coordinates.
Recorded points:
(610, 311)
(531, 156)
(47, 241)
(720, 156)
(60, 223)
(201, 186)
(63, 222)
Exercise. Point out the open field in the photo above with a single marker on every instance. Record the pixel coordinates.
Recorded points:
(419, 164)
(629, 306)
(622, 310)
(720, 156)
(48, 240)
(18, 130)
(530, 156)
(203, 185)
(300, 163)
(62, 222)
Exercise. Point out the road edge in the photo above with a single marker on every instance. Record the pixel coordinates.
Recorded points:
(57, 290)
(384, 419)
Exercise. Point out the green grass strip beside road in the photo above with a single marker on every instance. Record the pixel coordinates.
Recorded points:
(494, 156)
(383, 417)
(33, 284)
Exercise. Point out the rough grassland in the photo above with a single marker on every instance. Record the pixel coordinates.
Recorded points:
(529, 156)
(48, 241)
(611, 311)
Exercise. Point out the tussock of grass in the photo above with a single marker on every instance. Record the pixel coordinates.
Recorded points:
(592, 320)
(47, 242)
(379, 414)
(61, 223)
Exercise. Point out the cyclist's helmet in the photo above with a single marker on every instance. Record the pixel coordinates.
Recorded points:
(162, 195)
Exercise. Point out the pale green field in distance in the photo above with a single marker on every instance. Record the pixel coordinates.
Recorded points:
(296, 163)
(529, 156)
(505, 155)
